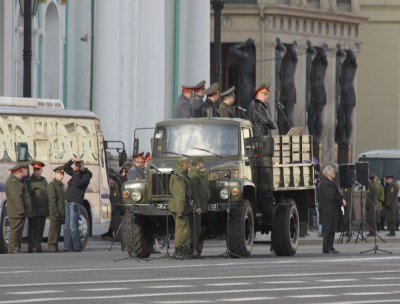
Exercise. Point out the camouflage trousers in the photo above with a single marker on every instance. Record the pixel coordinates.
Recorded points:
(182, 231)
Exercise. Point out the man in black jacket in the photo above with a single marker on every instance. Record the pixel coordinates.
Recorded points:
(330, 203)
(74, 195)
(260, 113)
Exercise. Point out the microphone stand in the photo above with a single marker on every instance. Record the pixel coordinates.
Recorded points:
(243, 112)
(281, 108)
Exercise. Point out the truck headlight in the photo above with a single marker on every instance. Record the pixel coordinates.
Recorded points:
(224, 194)
(136, 195)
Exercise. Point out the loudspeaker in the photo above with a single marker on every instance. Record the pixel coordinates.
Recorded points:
(362, 173)
(347, 175)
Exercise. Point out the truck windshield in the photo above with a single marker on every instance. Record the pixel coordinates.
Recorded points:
(201, 140)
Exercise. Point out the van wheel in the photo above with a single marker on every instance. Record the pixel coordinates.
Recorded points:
(83, 226)
(4, 230)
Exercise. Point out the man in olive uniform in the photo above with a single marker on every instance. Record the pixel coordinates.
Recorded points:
(56, 194)
(179, 205)
(371, 205)
(40, 206)
(226, 108)
(392, 191)
(17, 206)
(381, 198)
(196, 101)
(183, 109)
(210, 108)
(201, 195)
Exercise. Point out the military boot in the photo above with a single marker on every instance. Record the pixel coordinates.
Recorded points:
(188, 252)
(178, 254)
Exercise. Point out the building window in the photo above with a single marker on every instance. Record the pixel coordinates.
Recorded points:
(313, 3)
(343, 5)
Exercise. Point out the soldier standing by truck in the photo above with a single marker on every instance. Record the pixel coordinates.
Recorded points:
(391, 193)
(179, 205)
(201, 194)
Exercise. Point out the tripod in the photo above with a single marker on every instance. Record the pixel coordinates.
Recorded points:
(348, 216)
(166, 255)
(360, 227)
(375, 249)
(228, 252)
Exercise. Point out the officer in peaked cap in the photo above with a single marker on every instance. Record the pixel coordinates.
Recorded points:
(197, 102)
(226, 108)
(391, 193)
(183, 109)
(210, 108)
(40, 207)
(136, 172)
(260, 112)
(17, 205)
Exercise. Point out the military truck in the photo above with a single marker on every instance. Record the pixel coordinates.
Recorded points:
(257, 184)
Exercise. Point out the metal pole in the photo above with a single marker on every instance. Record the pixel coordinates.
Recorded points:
(218, 5)
(27, 53)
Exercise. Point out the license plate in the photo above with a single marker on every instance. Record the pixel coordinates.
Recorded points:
(212, 207)
(162, 206)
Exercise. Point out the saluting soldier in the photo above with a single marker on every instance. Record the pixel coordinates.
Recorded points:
(183, 109)
(196, 101)
(371, 205)
(226, 108)
(17, 206)
(210, 108)
(56, 194)
(392, 191)
(179, 205)
(40, 206)
(201, 195)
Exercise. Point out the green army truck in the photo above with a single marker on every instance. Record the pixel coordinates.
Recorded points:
(257, 184)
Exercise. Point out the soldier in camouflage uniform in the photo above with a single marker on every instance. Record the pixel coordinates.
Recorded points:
(17, 206)
(391, 193)
(226, 108)
(56, 193)
(179, 205)
(40, 206)
(201, 194)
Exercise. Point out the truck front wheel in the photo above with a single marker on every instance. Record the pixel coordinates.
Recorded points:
(138, 237)
(240, 236)
(285, 233)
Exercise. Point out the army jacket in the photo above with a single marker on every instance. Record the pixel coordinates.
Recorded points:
(391, 194)
(179, 186)
(260, 117)
(183, 109)
(200, 191)
(15, 198)
(226, 110)
(40, 200)
(210, 107)
(56, 194)
(29, 211)
(197, 105)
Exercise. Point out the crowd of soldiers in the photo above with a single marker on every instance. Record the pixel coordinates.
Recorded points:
(32, 197)
(190, 104)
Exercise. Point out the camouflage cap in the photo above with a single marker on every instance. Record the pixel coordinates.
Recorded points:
(196, 160)
(183, 160)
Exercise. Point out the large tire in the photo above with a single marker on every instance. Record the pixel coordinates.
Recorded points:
(4, 230)
(138, 236)
(241, 230)
(286, 228)
(83, 226)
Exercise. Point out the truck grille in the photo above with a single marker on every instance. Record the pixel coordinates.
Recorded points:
(160, 184)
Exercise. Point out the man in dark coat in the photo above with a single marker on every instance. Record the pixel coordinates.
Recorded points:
(392, 190)
(210, 108)
(196, 102)
(260, 113)
(56, 194)
(330, 204)
(40, 205)
(183, 109)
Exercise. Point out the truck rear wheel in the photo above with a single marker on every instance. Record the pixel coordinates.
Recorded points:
(241, 230)
(138, 238)
(285, 233)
